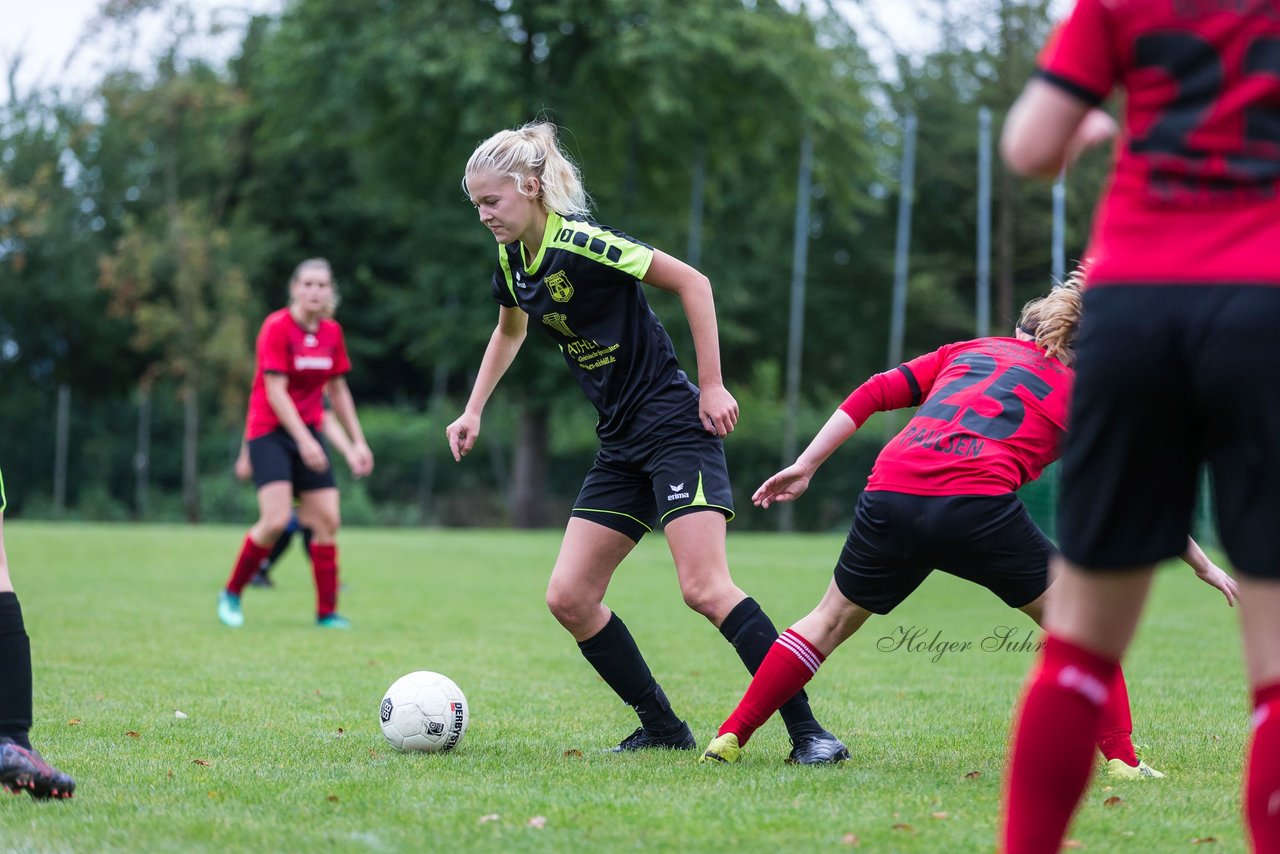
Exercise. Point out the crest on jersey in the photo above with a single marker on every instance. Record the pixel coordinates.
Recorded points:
(556, 321)
(559, 286)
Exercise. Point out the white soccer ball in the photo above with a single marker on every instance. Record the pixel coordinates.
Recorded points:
(424, 711)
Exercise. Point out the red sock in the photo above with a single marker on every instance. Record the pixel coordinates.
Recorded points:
(1262, 771)
(789, 664)
(1053, 742)
(324, 566)
(251, 556)
(1116, 740)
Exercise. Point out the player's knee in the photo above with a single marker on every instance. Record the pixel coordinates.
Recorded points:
(710, 600)
(272, 526)
(570, 610)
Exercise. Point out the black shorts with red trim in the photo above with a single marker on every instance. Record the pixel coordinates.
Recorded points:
(275, 457)
(672, 471)
(1170, 378)
(897, 539)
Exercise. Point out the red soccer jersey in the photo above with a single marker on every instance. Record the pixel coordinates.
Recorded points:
(1195, 195)
(993, 416)
(309, 359)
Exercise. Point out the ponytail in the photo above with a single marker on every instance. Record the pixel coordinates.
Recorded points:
(532, 151)
(1054, 319)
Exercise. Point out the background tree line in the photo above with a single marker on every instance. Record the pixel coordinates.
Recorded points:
(146, 230)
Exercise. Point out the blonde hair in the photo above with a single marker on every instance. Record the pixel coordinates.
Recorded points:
(322, 263)
(532, 151)
(1054, 318)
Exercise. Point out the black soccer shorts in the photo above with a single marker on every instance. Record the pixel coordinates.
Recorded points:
(672, 471)
(1169, 378)
(896, 540)
(275, 457)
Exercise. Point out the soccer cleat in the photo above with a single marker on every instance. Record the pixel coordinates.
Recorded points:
(821, 749)
(333, 621)
(1118, 769)
(24, 770)
(229, 610)
(678, 739)
(723, 749)
(261, 579)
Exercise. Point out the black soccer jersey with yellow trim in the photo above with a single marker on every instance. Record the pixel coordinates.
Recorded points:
(583, 290)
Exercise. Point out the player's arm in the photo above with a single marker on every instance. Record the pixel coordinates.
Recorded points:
(718, 409)
(342, 428)
(282, 405)
(1209, 572)
(1048, 128)
(889, 390)
(790, 483)
(504, 343)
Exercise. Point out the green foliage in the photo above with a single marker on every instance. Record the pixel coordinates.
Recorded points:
(281, 746)
(144, 235)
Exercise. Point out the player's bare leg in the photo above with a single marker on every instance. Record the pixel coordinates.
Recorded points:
(589, 555)
(1091, 619)
(792, 660)
(697, 542)
(1119, 756)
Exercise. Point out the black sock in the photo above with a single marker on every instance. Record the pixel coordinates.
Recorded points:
(278, 549)
(752, 633)
(15, 672)
(614, 654)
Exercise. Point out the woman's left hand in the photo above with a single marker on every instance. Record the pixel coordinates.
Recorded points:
(718, 410)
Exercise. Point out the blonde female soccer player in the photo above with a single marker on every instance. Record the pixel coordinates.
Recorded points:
(661, 457)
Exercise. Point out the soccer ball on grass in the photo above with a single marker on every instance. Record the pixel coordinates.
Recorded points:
(424, 711)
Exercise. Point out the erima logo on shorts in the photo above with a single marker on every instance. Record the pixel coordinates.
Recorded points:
(677, 492)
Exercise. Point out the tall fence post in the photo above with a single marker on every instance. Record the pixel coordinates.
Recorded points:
(795, 330)
(984, 224)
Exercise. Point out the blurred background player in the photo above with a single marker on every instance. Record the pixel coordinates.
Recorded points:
(337, 438)
(359, 465)
(661, 458)
(21, 766)
(301, 357)
(943, 495)
(1176, 368)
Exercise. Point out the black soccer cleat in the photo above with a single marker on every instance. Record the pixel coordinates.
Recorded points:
(821, 749)
(678, 739)
(261, 579)
(24, 770)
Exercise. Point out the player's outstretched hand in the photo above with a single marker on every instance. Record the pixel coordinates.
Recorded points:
(313, 455)
(787, 485)
(718, 410)
(462, 435)
(1215, 576)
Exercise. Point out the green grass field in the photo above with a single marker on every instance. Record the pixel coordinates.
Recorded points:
(281, 749)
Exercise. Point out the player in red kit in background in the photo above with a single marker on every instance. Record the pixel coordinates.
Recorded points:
(942, 495)
(301, 356)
